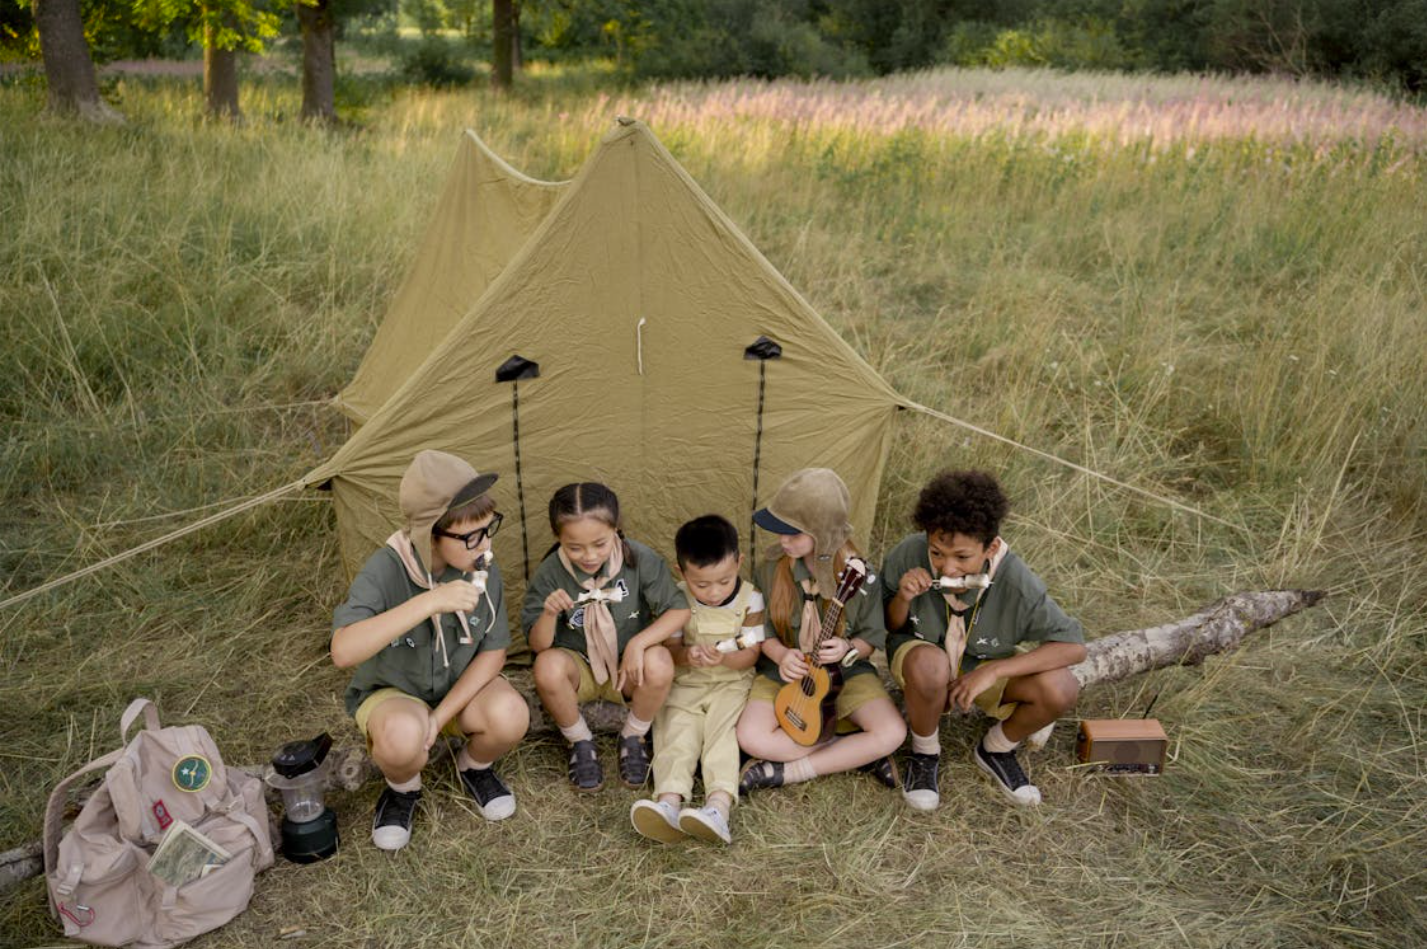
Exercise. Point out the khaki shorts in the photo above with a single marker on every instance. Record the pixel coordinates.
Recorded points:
(590, 690)
(991, 701)
(370, 703)
(856, 692)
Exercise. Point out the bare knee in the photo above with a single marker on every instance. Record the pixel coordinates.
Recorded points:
(551, 671)
(509, 716)
(399, 741)
(658, 666)
(928, 672)
(1060, 690)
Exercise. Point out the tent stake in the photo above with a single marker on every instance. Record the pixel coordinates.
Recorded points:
(761, 349)
(512, 370)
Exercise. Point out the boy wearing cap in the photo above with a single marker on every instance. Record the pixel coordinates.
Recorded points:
(428, 641)
(958, 602)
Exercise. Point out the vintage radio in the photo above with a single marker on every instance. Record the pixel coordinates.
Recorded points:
(1128, 746)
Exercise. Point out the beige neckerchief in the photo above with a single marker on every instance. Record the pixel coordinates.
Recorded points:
(401, 543)
(601, 636)
(956, 631)
(811, 624)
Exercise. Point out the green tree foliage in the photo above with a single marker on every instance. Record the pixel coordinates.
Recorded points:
(223, 24)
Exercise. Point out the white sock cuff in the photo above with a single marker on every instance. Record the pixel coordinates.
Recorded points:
(580, 731)
(795, 772)
(410, 784)
(926, 744)
(464, 762)
(634, 726)
(996, 741)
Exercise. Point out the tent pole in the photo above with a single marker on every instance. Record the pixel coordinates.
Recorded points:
(513, 370)
(761, 349)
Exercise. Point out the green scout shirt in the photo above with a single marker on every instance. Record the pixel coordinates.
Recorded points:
(413, 661)
(649, 593)
(863, 611)
(1017, 608)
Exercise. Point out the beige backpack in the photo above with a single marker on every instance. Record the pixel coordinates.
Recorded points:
(100, 886)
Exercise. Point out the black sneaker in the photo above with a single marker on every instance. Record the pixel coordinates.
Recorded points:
(391, 827)
(493, 799)
(760, 774)
(1006, 771)
(919, 788)
(634, 760)
(585, 771)
(884, 769)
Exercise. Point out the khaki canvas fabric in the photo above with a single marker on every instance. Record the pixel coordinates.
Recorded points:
(665, 412)
(486, 213)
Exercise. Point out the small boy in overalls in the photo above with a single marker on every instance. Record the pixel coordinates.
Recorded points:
(696, 724)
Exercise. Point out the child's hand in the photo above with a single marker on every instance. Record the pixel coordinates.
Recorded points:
(433, 729)
(913, 584)
(458, 596)
(631, 669)
(793, 666)
(703, 656)
(558, 602)
(831, 652)
(964, 689)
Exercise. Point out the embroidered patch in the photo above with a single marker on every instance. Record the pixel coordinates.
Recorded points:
(192, 773)
(161, 814)
(622, 587)
(577, 619)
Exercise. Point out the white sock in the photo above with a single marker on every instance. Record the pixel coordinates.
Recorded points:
(719, 801)
(926, 744)
(796, 772)
(464, 762)
(580, 731)
(634, 726)
(410, 784)
(996, 741)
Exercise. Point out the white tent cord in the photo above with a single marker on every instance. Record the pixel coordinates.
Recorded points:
(916, 406)
(150, 545)
(639, 343)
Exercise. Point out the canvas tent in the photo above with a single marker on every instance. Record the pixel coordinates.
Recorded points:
(637, 298)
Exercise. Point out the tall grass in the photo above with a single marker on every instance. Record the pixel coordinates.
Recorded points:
(1233, 316)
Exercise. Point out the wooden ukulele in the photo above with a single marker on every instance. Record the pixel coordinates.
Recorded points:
(807, 709)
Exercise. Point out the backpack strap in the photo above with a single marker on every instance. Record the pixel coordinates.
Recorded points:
(126, 721)
(54, 815)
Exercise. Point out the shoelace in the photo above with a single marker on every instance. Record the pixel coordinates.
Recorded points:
(398, 807)
(1007, 763)
(922, 770)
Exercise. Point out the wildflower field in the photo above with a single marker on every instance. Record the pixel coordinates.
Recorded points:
(1210, 288)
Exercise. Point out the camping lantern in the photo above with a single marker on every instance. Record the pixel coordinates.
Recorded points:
(299, 772)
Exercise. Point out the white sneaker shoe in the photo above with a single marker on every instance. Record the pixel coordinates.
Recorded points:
(657, 820)
(705, 823)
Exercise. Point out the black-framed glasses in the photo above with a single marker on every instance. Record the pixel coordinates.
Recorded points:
(473, 539)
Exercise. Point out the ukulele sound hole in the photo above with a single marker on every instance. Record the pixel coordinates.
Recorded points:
(807, 685)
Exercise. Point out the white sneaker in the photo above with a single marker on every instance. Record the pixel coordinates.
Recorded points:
(705, 823)
(657, 820)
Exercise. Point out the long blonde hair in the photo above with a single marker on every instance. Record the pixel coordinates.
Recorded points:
(786, 598)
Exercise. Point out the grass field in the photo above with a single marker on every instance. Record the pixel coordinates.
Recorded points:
(1227, 309)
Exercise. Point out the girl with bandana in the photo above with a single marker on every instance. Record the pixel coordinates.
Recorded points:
(809, 514)
(952, 641)
(596, 612)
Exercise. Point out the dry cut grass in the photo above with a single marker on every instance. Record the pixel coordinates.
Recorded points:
(1230, 317)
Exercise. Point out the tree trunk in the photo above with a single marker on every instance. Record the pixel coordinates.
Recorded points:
(220, 78)
(1215, 629)
(69, 71)
(319, 61)
(502, 43)
(517, 52)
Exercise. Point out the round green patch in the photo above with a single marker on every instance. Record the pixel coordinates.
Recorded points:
(192, 773)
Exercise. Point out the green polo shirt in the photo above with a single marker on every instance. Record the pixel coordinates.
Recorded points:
(1016, 610)
(413, 662)
(863, 612)
(649, 588)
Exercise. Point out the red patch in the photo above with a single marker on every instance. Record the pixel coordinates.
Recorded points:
(81, 915)
(162, 815)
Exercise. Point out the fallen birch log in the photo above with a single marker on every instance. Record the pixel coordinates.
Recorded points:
(1218, 628)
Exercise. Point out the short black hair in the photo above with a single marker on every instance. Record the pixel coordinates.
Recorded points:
(962, 502)
(706, 541)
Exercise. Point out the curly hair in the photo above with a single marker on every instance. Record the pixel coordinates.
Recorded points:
(962, 502)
